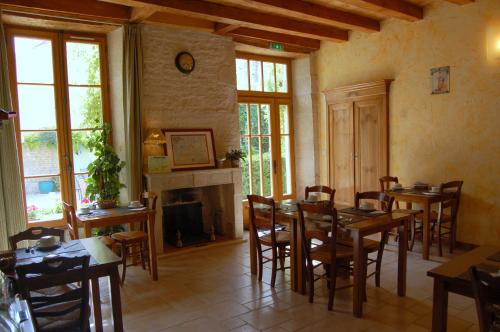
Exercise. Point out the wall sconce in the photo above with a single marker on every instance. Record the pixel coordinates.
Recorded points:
(493, 42)
(155, 136)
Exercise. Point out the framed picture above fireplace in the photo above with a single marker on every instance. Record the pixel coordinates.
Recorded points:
(190, 149)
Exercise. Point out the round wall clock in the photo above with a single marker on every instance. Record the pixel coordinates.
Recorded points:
(184, 61)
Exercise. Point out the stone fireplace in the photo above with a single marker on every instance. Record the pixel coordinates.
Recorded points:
(218, 191)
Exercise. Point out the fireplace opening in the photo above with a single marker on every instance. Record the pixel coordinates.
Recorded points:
(183, 224)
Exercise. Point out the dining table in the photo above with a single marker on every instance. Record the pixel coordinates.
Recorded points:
(103, 263)
(357, 226)
(124, 216)
(453, 277)
(425, 199)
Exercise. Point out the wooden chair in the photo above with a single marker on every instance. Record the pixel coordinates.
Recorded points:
(329, 253)
(371, 246)
(65, 311)
(487, 295)
(135, 243)
(386, 184)
(446, 217)
(71, 221)
(35, 233)
(265, 233)
(321, 189)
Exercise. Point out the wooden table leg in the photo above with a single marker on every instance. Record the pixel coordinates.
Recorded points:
(253, 251)
(153, 264)
(439, 306)
(114, 281)
(402, 256)
(87, 227)
(357, 301)
(96, 302)
(296, 259)
(426, 234)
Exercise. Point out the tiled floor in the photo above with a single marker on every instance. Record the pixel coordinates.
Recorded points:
(213, 290)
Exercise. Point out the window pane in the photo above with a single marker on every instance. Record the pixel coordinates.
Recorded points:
(245, 185)
(242, 74)
(286, 165)
(37, 109)
(255, 76)
(256, 166)
(265, 119)
(269, 84)
(81, 187)
(266, 166)
(243, 119)
(83, 63)
(254, 119)
(43, 198)
(281, 78)
(284, 125)
(40, 156)
(33, 60)
(85, 107)
(82, 156)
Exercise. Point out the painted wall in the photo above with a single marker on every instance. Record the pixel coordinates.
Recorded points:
(206, 98)
(433, 138)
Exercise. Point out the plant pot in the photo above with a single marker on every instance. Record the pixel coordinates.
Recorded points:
(235, 163)
(106, 204)
(45, 187)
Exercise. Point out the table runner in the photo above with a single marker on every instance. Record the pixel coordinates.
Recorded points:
(355, 211)
(66, 247)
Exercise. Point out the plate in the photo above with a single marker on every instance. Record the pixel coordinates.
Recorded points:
(136, 207)
(55, 246)
(429, 193)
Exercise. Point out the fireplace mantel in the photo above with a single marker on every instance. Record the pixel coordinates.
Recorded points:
(231, 177)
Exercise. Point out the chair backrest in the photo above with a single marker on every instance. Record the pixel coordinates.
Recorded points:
(149, 198)
(385, 184)
(262, 217)
(321, 189)
(451, 192)
(487, 294)
(320, 211)
(35, 233)
(55, 272)
(71, 220)
(385, 200)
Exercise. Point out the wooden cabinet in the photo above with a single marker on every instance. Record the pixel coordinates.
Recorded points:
(358, 137)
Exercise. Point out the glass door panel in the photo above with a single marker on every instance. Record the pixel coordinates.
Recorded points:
(286, 150)
(37, 126)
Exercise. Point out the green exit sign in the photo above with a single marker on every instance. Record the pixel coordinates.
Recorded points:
(277, 46)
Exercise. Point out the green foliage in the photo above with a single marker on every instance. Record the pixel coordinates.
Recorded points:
(100, 231)
(236, 154)
(103, 181)
(44, 138)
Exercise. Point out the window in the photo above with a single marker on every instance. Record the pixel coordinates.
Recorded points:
(59, 91)
(266, 130)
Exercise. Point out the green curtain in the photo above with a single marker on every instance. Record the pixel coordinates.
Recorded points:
(12, 213)
(132, 95)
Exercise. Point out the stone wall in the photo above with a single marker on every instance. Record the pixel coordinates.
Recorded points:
(206, 98)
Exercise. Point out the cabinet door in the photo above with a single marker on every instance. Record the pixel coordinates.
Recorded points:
(370, 143)
(342, 151)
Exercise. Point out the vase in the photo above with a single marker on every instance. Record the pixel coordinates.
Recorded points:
(106, 204)
(235, 163)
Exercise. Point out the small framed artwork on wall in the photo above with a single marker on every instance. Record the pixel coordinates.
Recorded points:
(440, 80)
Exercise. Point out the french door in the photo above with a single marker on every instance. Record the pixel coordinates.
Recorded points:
(58, 84)
(266, 136)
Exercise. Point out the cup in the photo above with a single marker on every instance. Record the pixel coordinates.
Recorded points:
(85, 210)
(135, 204)
(47, 241)
(435, 189)
(366, 206)
(397, 186)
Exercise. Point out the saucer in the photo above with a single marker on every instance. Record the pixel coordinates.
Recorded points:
(367, 208)
(135, 206)
(430, 193)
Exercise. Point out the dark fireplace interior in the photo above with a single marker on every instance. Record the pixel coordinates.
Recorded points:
(183, 219)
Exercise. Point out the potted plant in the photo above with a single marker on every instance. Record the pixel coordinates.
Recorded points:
(235, 156)
(103, 181)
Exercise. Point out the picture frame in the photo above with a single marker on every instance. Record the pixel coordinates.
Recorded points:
(159, 164)
(190, 149)
(440, 80)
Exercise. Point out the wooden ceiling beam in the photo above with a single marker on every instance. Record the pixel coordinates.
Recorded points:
(265, 45)
(395, 8)
(461, 2)
(139, 14)
(244, 17)
(163, 18)
(269, 36)
(314, 12)
(222, 29)
(91, 10)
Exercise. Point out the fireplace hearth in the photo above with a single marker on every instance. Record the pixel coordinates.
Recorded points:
(183, 224)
